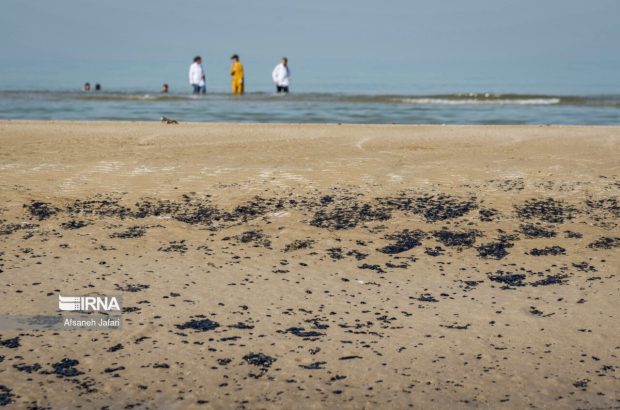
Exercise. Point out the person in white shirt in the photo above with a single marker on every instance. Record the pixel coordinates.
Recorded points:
(281, 76)
(197, 77)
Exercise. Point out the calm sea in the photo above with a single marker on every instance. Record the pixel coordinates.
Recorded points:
(321, 92)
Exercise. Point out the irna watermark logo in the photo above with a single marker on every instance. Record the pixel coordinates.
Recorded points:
(88, 303)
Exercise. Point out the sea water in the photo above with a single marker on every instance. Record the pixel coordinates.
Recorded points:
(321, 92)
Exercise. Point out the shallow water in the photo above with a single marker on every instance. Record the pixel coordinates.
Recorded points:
(469, 108)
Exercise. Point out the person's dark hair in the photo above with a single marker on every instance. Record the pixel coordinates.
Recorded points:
(197, 58)
(235, 57)
(97, 87)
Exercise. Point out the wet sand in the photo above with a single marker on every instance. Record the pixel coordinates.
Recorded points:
(294, 266)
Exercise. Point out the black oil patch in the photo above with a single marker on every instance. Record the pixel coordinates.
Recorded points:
(548, 210)
(605, 242)
(532, 231)
(201, 325)
(259, 360)
(548, 250)
(404, 241)
(41, 210)
(456, 239)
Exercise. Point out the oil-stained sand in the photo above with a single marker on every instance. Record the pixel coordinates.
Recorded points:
(286, 266)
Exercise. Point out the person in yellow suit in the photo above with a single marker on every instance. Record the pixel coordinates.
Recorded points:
(236, 71)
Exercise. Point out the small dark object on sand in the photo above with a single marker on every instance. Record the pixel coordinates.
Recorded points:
(605, 242)
(582, 384)
(241, 325)
(313, 366)
(533, 231)
(6, 395)
(259, 359)
(536, 312)
(335, 253)
(427, 297)
(201, 325)
(584, 267)
(174, 246)
(405, 240)
(374, 267)
(256, 237)
(301, 332)
(456, 239)
(74, 224)
(436, 251)
(168, 120)
(41, 210)
(66, 368)
(131, 232)
(573, 235)
(113, 369)
(494, 250)
(298, 244)
(133, 287)
(27, 368)
(10, 343)
(357, 254)
(349, 357)
(457, 326)
(508, 279)
(8, 229)
(549, 250)
(487, 215)
(115, 348)
(551, 280)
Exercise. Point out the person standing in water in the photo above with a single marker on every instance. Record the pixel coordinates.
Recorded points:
(197, 77)
(236, 72)
(281, 76)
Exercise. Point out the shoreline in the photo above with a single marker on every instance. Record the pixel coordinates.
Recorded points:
(308, 124)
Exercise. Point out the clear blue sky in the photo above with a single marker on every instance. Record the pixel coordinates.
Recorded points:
(344, 33)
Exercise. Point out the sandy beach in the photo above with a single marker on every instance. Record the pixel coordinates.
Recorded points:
(313, 266)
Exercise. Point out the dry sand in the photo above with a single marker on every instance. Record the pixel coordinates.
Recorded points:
(323, 266)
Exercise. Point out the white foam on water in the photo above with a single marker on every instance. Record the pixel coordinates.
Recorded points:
(510, 101)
